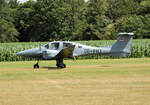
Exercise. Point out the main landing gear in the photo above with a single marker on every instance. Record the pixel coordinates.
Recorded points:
(60, 64)
(36, 66)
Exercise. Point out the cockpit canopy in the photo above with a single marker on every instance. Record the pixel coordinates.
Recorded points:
(56, 45)
(47, 46)
(66, 44)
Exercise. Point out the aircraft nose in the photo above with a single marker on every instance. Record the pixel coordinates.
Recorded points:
(20, 53)
(30, 52)
(23, 53)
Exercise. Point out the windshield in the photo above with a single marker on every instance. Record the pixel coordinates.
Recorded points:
(54, 46)
(47, 46)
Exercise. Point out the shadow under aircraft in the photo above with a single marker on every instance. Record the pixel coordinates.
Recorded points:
(58, 50)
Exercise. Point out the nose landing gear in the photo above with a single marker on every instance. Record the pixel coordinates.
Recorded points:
(36, 66)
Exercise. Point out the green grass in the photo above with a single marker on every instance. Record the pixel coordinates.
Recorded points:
(83, 82)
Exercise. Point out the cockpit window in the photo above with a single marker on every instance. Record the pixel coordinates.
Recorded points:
(66, 45)
(79, 46)
(47, 46)
(54, 46)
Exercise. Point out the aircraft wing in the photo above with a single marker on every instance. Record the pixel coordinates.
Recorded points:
(66, 52)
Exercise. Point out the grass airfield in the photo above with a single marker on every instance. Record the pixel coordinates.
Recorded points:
(83, 82)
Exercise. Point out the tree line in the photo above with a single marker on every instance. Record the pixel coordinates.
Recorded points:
(46, 20)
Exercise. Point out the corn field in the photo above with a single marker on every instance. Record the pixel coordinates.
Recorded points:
(140, 48)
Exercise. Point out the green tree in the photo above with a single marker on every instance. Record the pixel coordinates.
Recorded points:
(120, 8)
(13, 3)
(24, 21)
(71, 19)
(139, 25)
(46, 20)
(96, 20)
(8, 32)
(144, 7)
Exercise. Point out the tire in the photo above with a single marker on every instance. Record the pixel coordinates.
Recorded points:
(61, 66)
(64, 65)
(36, 66)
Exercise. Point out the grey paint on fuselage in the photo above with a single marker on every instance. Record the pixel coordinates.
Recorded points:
(119, 49)
(79, 50)
(64, 49)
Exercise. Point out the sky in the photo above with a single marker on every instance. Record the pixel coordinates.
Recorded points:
(21, 1)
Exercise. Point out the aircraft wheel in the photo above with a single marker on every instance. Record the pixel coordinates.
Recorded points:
(61, 66)
(57, 65)
(36, 66)
(64, 65)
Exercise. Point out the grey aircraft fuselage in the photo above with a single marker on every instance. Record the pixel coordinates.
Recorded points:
(58, 50)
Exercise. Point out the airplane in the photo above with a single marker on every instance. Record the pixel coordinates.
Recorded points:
(58, 50)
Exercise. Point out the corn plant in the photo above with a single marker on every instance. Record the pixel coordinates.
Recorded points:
(140, 48)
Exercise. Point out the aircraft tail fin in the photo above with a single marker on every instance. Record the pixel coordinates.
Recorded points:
(123, 46)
